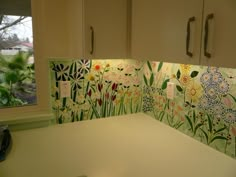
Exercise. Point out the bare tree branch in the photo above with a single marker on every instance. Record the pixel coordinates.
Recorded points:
(13, 23)
(1, 18)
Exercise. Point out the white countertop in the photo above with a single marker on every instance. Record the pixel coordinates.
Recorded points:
(127, 146)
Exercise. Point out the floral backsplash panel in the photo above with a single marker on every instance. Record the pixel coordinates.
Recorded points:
(204, 106)
(99, 88)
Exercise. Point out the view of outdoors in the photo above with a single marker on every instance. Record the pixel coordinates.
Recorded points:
(17, 75)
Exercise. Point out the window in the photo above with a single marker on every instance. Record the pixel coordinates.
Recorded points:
(17, 75)
(40, 113)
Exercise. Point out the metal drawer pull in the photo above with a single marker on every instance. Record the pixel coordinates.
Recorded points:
(92, 40)
(190, 20)
(208, 18)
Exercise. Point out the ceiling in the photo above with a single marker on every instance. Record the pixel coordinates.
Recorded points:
(15, 7)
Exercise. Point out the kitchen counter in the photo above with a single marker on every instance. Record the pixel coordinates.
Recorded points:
(123, 146)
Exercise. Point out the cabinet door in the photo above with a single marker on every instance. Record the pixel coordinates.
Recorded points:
(105, 28)
(53, 20)
(75, 25)
(61, 26)
(159, 30)
(221, 38)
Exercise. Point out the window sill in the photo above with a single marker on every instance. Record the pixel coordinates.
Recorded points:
(29, 121)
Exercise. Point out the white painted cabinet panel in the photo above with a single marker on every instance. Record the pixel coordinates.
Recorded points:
(86, 28)
(54, 25)
(105, 28)
(221, 39)
(159, 30)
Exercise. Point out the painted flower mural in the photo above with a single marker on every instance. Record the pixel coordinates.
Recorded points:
(99, 88)
(204, 106)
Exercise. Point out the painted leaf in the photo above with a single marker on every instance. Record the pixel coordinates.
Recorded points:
(194, 116)
(218, 137)
(149, 65)
(164, 85)
(219, 130)
(178, 74)
(161, 115)
(151, 79)
(145, 80)
(232, 97)
(190, 122)
(209, 123)
(177, 126)
(160, 66)
(197, 127)
(206, 136)
(194, 74)
(179, 88)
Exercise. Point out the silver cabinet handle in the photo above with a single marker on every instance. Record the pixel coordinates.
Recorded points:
(92, 40)
(190, 20)
(208, 18)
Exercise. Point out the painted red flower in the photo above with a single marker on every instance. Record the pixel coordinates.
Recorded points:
(100, 86)
(99, 102)
(97, 67)
(113, 97)
(89, 93)
(107, 95)
(114, 86)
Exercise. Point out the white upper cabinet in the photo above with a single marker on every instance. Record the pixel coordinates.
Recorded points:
(53, 25)
(167, 30)
(75, 20)
(86, 28)
(219, 33)
(106, 28)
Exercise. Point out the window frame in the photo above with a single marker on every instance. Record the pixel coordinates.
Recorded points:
(42, 109)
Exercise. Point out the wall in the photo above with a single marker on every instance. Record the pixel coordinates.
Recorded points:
(204, 106)
(99, 88)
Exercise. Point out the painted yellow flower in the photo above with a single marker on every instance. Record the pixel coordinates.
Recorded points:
(185, 68)
(194, 92)
(185, 79)
(173, 76)
(90, 77)
(57, 104)
(54, 89)
(69, 103)
(81, 98)
(66, 114)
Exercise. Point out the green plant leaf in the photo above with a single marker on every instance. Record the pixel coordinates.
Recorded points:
(197, 127)
(194, 116)
(178, 74)
(189, 121)
(11, 77)
(151, 79)
(209, 123)
(149, 65)
(179, 88)
(206, 136)
(161, 115)
(160, 66)
(145, 80)
(194, 74)
(164, 85)
(218, 138)
(219, 130)
(232, 97)
(177, 126)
